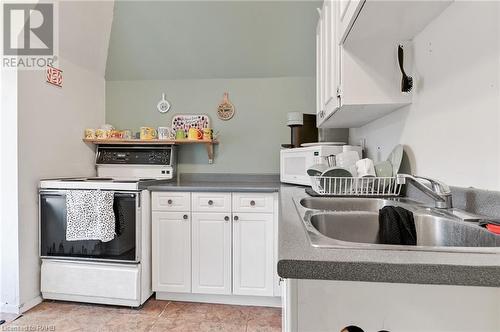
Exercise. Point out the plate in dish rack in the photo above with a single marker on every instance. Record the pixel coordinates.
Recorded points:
(186, 121)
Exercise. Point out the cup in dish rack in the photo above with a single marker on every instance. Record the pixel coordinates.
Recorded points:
(365, 168)
(348, 160)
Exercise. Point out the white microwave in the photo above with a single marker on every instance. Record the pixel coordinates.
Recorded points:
(295, 162)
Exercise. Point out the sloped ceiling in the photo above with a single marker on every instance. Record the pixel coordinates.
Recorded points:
(212, 39)
(84, 32)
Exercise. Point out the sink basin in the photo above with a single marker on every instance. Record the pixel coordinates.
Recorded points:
(432, 231)
(347, 204)
(353, 223)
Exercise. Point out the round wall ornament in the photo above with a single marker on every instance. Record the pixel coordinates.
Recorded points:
(225, 110)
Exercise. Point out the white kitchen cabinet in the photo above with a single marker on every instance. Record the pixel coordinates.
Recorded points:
(171, 201)
(347, 12)
(253, 254)
(211, 254)
(253, 202)
(358, 76)
(332, 305)
(319, 70)
(171, 244)
(211, 257)
(211, 202)
(358, 81)
(328, 68)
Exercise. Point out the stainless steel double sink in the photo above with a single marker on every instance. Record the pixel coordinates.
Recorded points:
(353, 223)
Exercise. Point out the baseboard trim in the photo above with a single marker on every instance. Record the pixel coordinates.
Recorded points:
(19, 309)
(9, 308)
(260, 301)
(30, 304)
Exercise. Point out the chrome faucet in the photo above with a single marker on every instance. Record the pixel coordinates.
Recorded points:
(439, 192)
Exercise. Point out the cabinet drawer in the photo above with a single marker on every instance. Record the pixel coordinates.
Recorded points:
(212, 202)
(251, 202)
(171, 201)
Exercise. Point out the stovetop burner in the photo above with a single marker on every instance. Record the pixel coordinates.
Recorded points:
(103, 179)
(87, 179)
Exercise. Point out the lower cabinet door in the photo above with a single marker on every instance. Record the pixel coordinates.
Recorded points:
(211, 243)
(171, 245)
(253, 254)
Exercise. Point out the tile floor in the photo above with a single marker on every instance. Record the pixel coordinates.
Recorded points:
(154, 316)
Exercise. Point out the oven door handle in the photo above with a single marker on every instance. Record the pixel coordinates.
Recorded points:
(52, 192)
(125, 195)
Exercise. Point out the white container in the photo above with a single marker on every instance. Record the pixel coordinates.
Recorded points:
(294, 163)
(356, 148)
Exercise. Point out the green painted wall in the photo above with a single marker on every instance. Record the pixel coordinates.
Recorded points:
(250, 142)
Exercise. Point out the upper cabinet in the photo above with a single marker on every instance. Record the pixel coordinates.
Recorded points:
(358, 73)
(327, 61)
(348, 10)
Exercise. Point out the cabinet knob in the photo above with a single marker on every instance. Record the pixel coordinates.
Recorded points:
(210, 202)
(252, 203)
(236, 218)
(169, 202)
(226, 218)
(185, 216)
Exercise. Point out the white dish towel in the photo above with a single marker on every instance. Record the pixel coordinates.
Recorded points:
(90, 215)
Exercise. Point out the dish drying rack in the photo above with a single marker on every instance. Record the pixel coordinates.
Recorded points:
(365, 186)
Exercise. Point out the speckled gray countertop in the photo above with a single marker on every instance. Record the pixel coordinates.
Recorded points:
(297, 259)
(222, 183)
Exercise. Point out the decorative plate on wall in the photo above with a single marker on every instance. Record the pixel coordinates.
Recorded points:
(163, 106)
(186, 121)
(225, 110)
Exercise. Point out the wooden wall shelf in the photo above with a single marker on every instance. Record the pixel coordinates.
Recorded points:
(209, 144)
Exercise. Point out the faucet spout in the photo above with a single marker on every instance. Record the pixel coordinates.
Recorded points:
(439, 192)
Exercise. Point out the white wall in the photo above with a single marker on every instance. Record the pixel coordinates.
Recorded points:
(41, 136)
(51, 125)
(9, 247)
(451, 130)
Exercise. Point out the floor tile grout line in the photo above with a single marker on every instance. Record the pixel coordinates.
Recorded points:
(164, 308)
(241, 314)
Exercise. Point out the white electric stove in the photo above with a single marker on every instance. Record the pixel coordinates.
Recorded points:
(117, 272)
(100, 183)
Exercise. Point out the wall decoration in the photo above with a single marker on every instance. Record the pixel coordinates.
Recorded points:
(225, 110)
(54, 76)
(186, 121)
(163, 106)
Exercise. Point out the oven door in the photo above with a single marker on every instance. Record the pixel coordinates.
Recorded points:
(124, 248)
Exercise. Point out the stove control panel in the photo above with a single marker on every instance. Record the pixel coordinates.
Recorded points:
(136, 155)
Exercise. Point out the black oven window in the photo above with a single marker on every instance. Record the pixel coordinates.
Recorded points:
(53, 231)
